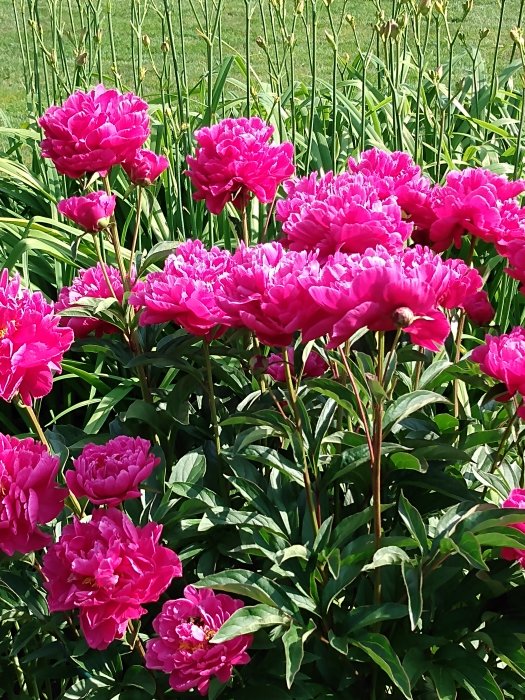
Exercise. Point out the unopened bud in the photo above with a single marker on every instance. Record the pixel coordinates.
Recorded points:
(467, 7)
(103, 223)
(97, 37)
(142, 73)
(165, 46)
(81, 58)
(403, 317)
(260, 42)
(425, 7)
(483, 33)
(351, 20)
(146, 41)
(516, 34)
(299, 7)
(330, 39)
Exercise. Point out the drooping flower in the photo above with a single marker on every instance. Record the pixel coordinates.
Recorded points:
(234, 161)
(107, 569)
(32, 343)
(111, 473)
(145, 167)
(184, 292)
(93, 131)
(340, 213)
(184, 647)
(515, 499)
(92, 212)
(29, 494)
(273, 365)
(90, 284)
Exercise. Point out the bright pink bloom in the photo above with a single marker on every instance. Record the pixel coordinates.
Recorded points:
(90, 284)
(470, 202)
(184, 647)
(31, 342)
(29, 494)
(234, 162)
(93, 131)
(107, 569)
(515, 499)
(503, 357)
(91, 212)
(184, 292)
(314, 366)
(145, 167)
(479, 309)
(261, 291)
(340, 213)
(111, 473)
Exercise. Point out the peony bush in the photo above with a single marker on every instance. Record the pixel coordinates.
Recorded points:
(296, 468)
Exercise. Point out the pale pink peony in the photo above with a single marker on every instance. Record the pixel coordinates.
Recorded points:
(515, 499)
(479, 309)
(111, 473)
(145, 167)
(184, 292)
(340, 213)
(273, 365)
(93, 131)
(91, 212)
(29, 494)
(90, 284)
(32, 344)
(470, 203)
(234, 162)
(503, 358)
(184, 647)
(107, 569)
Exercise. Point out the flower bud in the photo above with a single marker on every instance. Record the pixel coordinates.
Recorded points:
(165, 46)
(146, 41)
(425, 7)
(81, 58)
(260, 42)
(403, 317)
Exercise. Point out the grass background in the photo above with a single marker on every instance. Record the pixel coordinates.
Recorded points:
(13, 106)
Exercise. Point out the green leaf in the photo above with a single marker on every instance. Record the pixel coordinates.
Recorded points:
(368, 615)
(387, 556)
(381, 652)
(443, 682)
(189, 469)
(469, 548)
(293, 652)
(407, 404)
(106, 405)
(246, 583)
(413, 578)
(248, 620)
(414, 522)
(139, 677)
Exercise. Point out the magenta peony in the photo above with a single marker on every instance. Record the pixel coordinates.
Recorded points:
(107, 569)
(515, 499)
(111, 473)
(93, 131)
(91, 212)
(503, 357)
(29, 494)
(234, 162)
(184, 292)
(478, 308)
(340, 213)
(273, 365)
(184, 648)
(32, 343)
(145, 167)
(90, 284)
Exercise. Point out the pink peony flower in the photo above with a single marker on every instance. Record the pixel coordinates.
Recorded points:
(91, 132)
(314, 366)
(29, 494)
(31, 342)
(145, 167)
(340, 213)
(111, 473)
(479, 309)
(515, 499)
(107, 569)
(91, 212)
(90, 284)
(184, 292)
(234, 162)
(183, 649)
(470, 202)
(503, 357)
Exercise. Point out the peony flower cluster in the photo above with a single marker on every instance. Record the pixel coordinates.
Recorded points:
(145, 167)
(273, 365)
(515, 499)
(91, 212)
(234, 161)
(111, 473)
(107, 569)
(32, 343)
(184, 648)
(29, 494)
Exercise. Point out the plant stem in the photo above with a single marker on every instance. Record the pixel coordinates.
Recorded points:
(500, 452)
(244, 222)
(36, 425)
(360, 407)
(459, 334)
(103, 266)
(113, 232)
(211, 395)
(376, 462)
(135, 233)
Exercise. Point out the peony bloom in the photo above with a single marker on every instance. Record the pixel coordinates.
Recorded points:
(184, 292)
(183, 648)
(93, 131)
(107, 569)
(29, 494)
(340, 213)
(111, 473)
(479, 309)
(503, 357)
(234, 162)
(32, 343)
(515, 499)
(91, 212)
(90, 284)
(273, 365)
(145, 167)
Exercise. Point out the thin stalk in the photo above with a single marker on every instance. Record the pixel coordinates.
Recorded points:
(500, 452)
(495, 58)
(113, 232)
(103, 265)
(360, 407)
(135, 231)
(247, 29)
(36, 424)
(211, 395)
(376, 464)
(459, 334)
(244, 222)
(313, 40)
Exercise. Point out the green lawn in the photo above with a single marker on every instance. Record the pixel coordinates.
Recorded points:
(232, 27)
